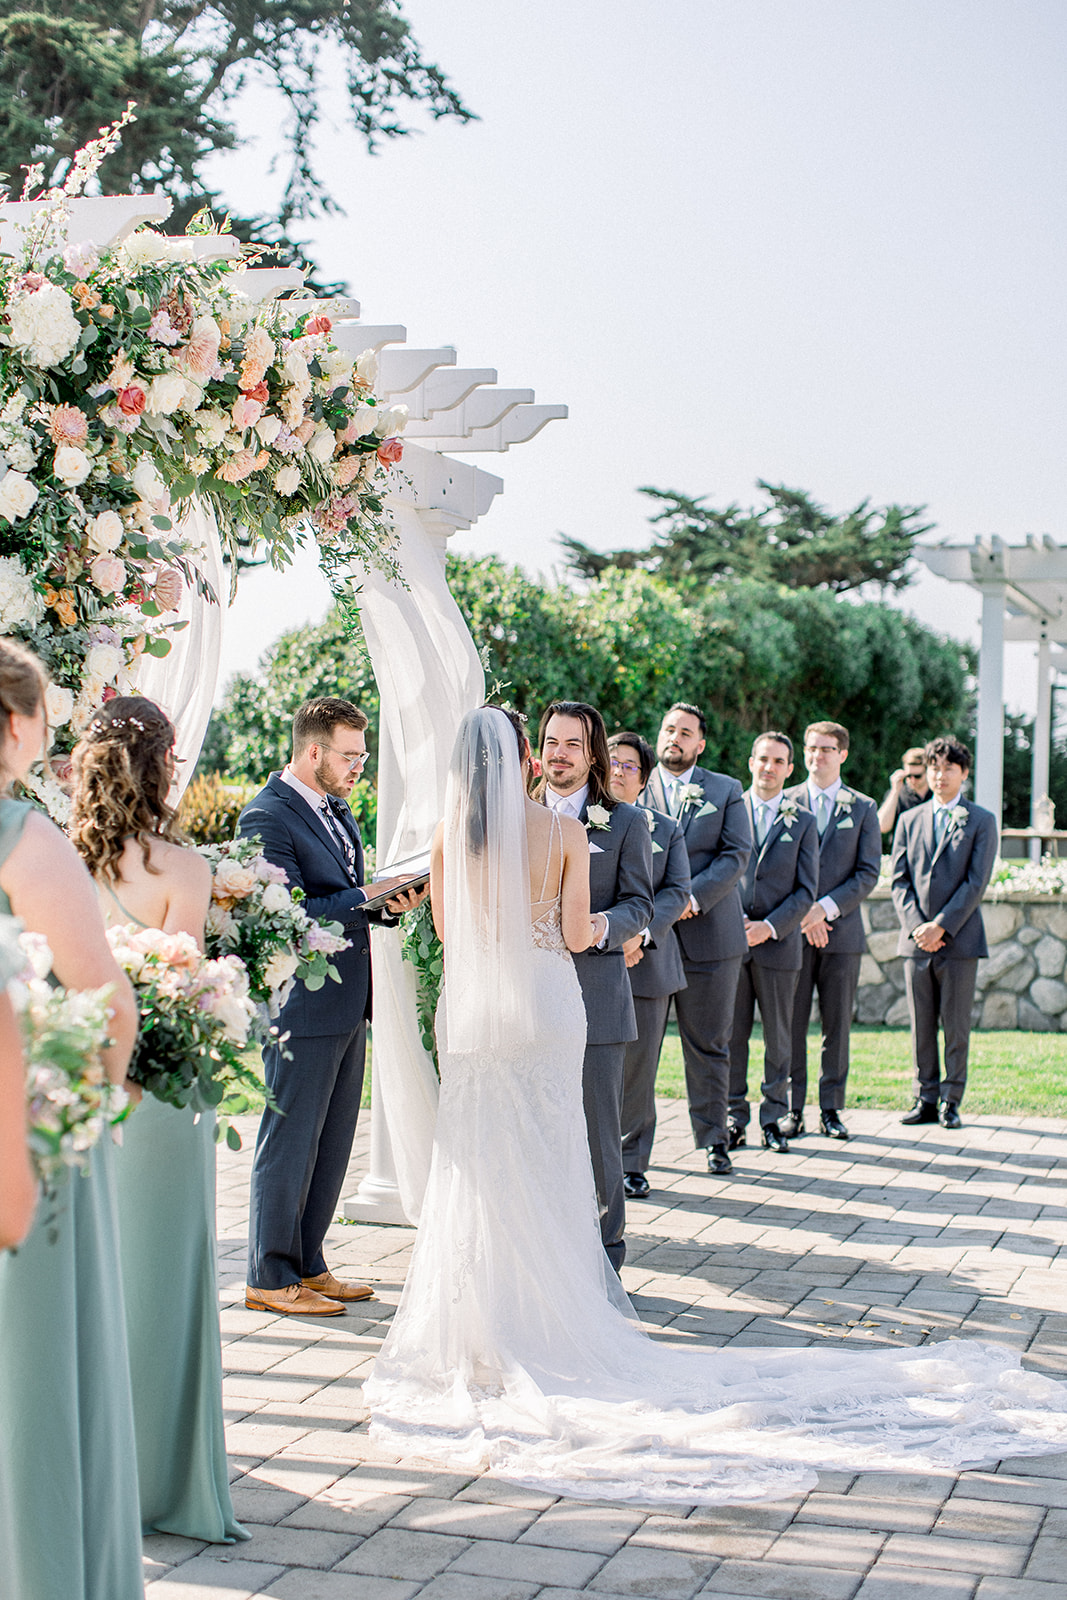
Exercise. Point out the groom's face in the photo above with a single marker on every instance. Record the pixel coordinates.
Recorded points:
(565, 754)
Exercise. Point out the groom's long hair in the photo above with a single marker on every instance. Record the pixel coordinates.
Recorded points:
(596, 735)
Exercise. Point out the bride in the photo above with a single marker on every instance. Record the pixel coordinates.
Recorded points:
(514, 1346)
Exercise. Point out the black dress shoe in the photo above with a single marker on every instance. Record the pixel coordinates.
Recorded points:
(950, 1116)
(719, 1163)
(735, 1135)
(921, 1111)
(832, 1126)
(635, 1185)
(773, 1140)
(792, 1125)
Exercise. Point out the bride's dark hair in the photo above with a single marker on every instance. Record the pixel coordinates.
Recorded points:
(122, 777)
(480, 757)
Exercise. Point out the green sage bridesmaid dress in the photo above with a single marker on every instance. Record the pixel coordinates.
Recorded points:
(69, 1524)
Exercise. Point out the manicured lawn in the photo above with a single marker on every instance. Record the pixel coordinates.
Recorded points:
(1016, 1074)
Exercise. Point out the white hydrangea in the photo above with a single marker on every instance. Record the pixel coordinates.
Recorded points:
(43, 327)
(20, 604)
(166, 393)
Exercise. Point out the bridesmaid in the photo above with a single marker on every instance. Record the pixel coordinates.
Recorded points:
(69, 1528)
(18, 1191)
(124, 829)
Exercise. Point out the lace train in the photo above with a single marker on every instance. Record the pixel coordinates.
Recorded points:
(514, 1346)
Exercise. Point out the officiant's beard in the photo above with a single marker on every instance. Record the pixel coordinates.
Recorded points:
(339, 788)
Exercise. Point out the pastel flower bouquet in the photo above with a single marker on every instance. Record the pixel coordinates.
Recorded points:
(71, 1103)
(196, 1015)
(133, 382)
(257, 917)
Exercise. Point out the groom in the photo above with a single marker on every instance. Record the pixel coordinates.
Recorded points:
(577, 781)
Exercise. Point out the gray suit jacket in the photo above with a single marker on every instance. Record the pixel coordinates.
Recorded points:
(620, 884)
(660, 971)
(945, 886)
(718, 842)
(779, 885)
(850, 858)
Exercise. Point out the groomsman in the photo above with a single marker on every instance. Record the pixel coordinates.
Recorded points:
(850, 855)
(652, 958)
(943, 856)
(711, 931)
(777, 891)
(573, 745)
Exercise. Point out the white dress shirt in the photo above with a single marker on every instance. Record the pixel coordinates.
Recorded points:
(772, 812)
(570, 805)
(828, 903)
(318, 803)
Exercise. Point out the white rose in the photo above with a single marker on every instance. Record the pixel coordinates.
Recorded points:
(58, 705)
(288, 480)
(276, 897)
(367, 368)
(146, 246)
(269, 428)
(221, 924)
(20, 604)
(43, 327)
(390, 420)
(106, 532)
(321, 445)
(147, 482)
(295, 369)
(233, 1014)
(103, 662)
(17, 495)
(211, 426)
(336, 363)
(72, 466)
(166, 393)
(364, 420)
(280, 968)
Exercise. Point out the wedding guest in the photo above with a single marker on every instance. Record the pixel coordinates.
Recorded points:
(653, 960)
(573, 747)
(307, 828)
(69, 1528)
(711, 930)
(907, 788)
(123, 827)
(850, 858)
(778, 889)
(943, 857)
(18, 1190)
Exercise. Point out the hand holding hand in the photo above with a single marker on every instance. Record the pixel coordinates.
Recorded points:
(930, 936)
(757, 933)
(600, 927)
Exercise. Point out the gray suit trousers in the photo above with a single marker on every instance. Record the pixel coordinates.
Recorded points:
(774, 989)
(639, 1082)
(705, 1011)
(302, 1155)
(835, 974)
(940, 989)
(602, 1075)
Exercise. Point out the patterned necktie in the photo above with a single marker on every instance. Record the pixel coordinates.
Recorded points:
(822, 812)
(763, 821)
(341, 834)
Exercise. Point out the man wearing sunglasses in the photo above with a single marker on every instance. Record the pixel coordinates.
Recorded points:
(307, 828)
(907, 788)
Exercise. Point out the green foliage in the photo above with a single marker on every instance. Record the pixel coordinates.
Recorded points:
(210, 808)
(791, 540)
(67, 67)
(1018, 770)
(420, 946)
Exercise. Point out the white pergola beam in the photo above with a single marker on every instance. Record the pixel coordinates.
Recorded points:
(103, 220)
(402, 370)
(482, 409)
(355, 337)
(519, 426)
(444, 389)
(989, 782)
(267, 283)
(1042, 754)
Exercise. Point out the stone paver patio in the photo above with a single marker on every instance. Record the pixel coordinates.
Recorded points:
(898, 1237)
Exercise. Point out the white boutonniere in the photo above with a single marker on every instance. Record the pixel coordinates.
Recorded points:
(598, 817)
(788, 811)
(650, 818)
(845, 798)
(958, 816)
(689, 795)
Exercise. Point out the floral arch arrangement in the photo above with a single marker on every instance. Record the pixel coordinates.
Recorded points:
(134, 382)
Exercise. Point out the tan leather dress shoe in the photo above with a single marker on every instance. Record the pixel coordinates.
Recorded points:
(326, 1284)
(295, 1300)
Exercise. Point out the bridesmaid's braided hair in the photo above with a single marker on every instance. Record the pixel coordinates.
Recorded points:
(122, 777)
(22, 686)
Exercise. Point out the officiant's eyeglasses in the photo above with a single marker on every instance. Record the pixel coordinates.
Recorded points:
(352, 762)
(625, 766)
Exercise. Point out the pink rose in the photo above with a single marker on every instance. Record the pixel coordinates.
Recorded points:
(318, 324)
(245, 412)
(68, 425)
(237, 467)
(390, 451)
(131, 400)
(259, 392)
(108, 574)
(347, 470)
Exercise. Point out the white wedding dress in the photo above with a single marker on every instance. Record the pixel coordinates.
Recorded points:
(515, 1349)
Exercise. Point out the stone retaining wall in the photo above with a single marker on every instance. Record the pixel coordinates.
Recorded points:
(1022, 985)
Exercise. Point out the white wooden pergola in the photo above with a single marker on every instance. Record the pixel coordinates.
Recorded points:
(1024, 597)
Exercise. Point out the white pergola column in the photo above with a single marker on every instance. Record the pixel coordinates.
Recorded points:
(1042, 761)
(989, 784)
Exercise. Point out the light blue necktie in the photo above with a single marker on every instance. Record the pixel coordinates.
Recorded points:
(763, 821)
(940, 826)
(822, 812)
(674, 799)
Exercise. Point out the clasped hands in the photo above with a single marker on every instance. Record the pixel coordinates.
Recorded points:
(815, 927)
(757, 932)
(929, 936)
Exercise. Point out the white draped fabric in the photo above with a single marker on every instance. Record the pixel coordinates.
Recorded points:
(429, 676)
(183, 682)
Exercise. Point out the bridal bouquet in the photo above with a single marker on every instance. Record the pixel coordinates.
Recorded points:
(71, 1103)
(256, 916)
(196, 1015)
(134, 380)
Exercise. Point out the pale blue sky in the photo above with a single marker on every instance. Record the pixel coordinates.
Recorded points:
(820, 242)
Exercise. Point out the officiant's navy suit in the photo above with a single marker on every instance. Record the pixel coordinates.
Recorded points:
(850, 858)
(718, 842)
(620, 885)
(302, 1155)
